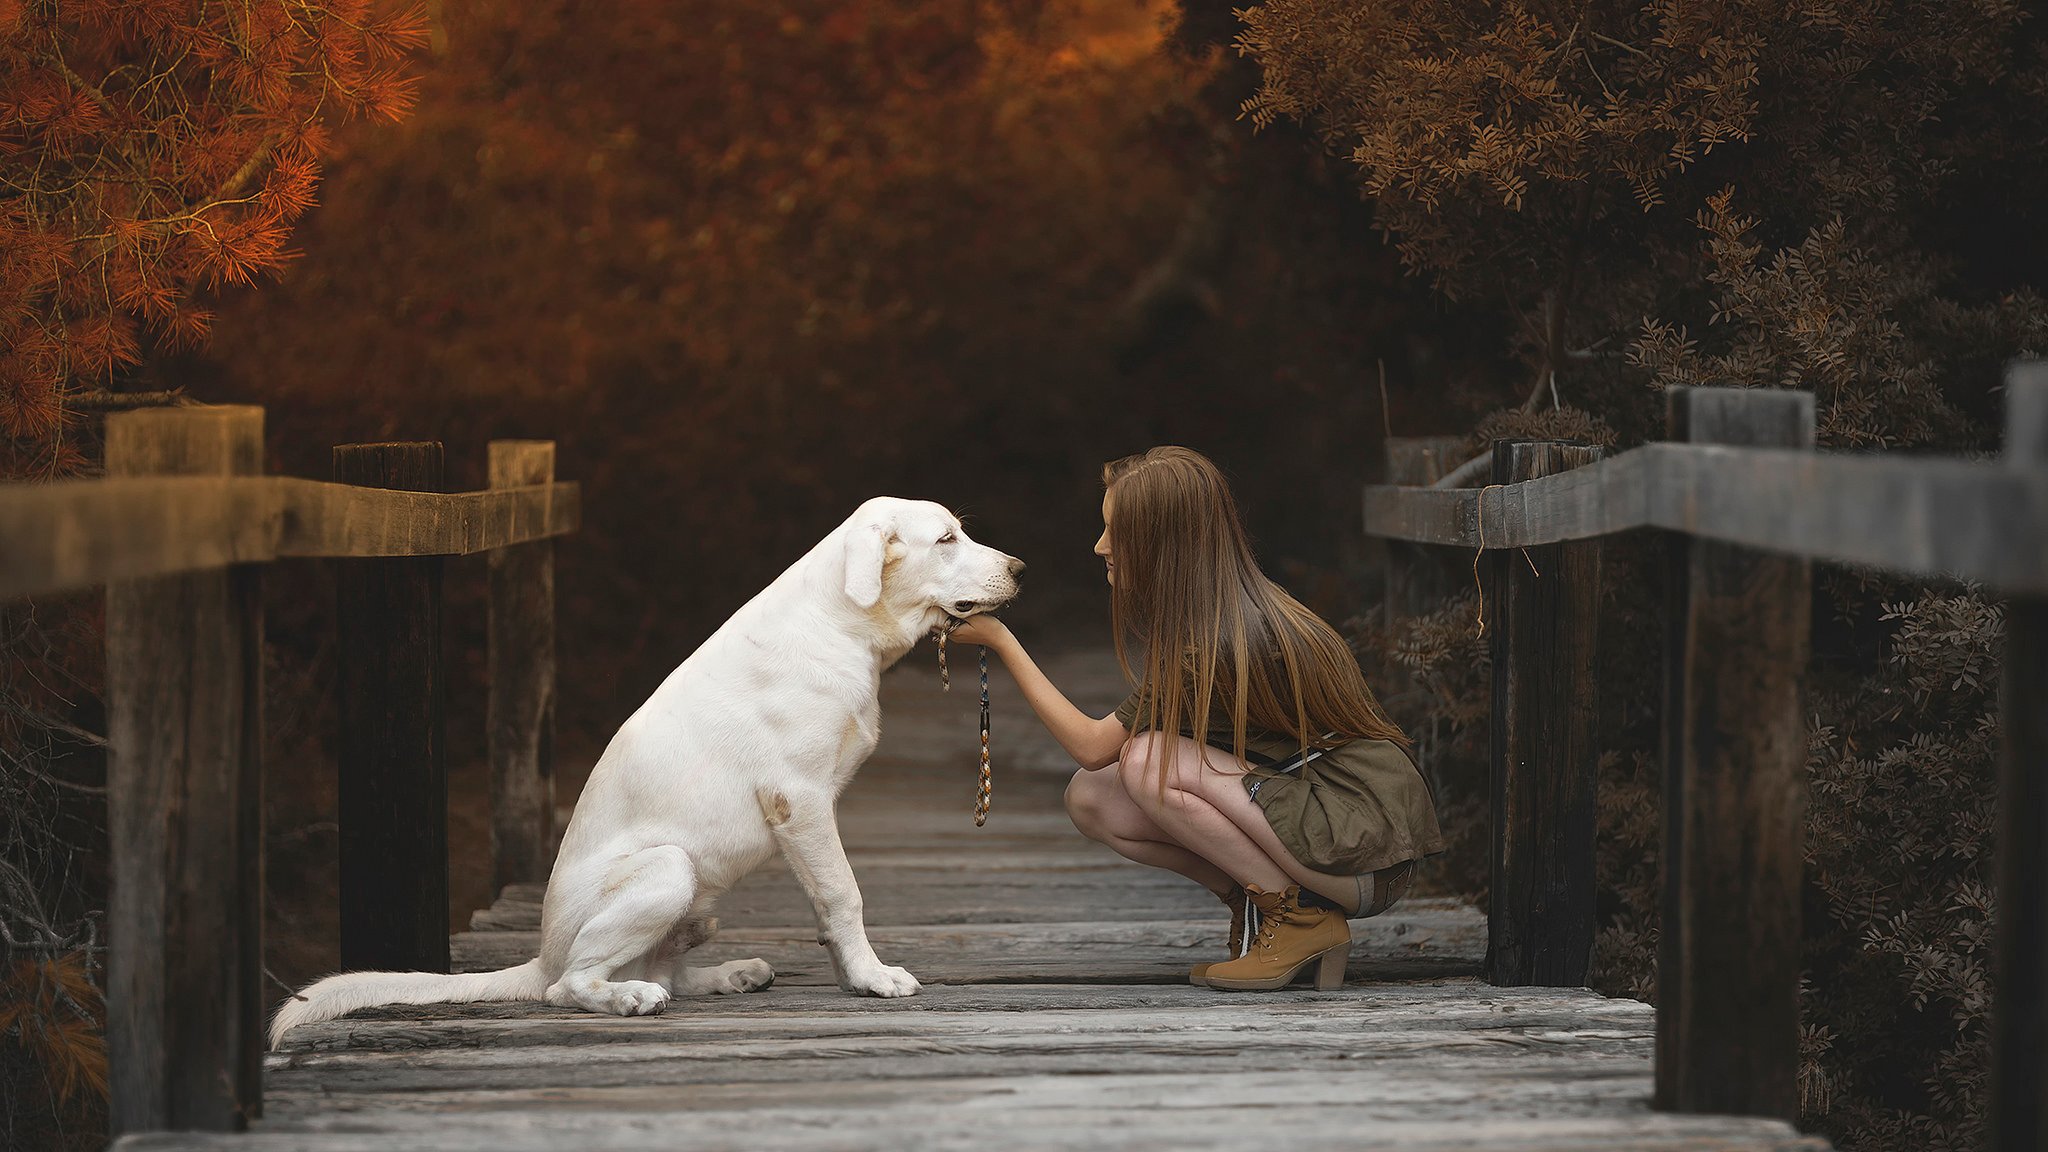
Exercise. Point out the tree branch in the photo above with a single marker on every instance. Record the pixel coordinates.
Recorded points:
(103, 400)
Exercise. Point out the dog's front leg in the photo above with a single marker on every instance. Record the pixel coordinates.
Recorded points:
(807, 830)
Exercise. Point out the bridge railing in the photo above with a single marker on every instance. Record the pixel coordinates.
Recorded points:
(1747, 505)
(179, 532)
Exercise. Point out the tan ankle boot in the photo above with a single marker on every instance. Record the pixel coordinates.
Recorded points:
(1289, 938)
(1240, 934)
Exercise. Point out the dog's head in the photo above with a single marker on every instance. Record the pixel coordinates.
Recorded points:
(912, 556)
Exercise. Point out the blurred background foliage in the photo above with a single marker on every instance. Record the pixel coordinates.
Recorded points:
(750, 261)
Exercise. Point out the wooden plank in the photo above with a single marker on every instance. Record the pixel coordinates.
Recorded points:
(954, 1115)
(79, 533)
(332, 520)
(184, 804)
(1457, 1004)
(393, 777)
(2019, 1078)
(1916, 515)
(1448, 1064)
(1545, 605)
(1417, 939)
(933, 893)
(1734, 795)
(521, 712)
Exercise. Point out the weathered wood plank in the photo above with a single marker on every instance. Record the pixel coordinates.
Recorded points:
(1734, 795)
(1456, 1004)
(184, 805)
(335, 520)
(1208, 1102)
(1417, 939)
(2019, 1088)
(79, 533)
(1544, 614)
(1929, 517)
(392, 772)
(521, 710)
(921, 893)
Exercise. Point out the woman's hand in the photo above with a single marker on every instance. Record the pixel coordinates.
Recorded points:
(984, 630)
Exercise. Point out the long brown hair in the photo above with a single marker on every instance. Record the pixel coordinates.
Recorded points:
(1217, 635)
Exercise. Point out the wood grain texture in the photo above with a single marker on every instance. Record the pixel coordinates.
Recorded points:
(1734, 794)
(1543, 614)
(2019, 1081)
(520, 714)
(391, 768)
(184, 697)
(1915, 515)
(81, 533)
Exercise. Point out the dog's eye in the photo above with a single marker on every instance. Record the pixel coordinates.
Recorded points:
(946, 539)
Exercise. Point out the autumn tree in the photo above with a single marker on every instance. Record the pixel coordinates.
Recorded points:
(152, 151)
(152, 154)
(1825, 195)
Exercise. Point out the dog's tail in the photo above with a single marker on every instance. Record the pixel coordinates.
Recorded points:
(344, 993)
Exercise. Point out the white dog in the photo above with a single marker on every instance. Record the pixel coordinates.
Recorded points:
(744, 749)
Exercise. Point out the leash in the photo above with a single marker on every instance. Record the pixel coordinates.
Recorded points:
(986, 790)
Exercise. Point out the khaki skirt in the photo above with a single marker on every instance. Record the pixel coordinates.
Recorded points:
(1357, 808)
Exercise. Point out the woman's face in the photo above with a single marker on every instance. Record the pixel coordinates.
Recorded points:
(1102, 543)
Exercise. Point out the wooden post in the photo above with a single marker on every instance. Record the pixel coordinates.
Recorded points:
(393, 775)
(522, 700)
(184, 806)
(2019, 1023)
(1734, 794)
(1543, 609)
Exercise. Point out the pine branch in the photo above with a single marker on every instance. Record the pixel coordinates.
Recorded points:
(103, 400)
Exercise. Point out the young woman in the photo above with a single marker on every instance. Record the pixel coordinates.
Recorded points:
(1300, 805)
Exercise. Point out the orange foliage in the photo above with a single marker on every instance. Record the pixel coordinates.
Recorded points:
(150, 148)
(50, 1008)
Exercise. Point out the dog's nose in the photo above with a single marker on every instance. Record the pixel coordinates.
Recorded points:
(1016, 566)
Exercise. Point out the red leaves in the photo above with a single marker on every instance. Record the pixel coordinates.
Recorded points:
(99, 344)
(154, 149)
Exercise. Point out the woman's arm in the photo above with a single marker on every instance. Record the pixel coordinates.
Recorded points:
(1092, 743)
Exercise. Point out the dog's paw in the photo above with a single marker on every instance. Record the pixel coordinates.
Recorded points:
(727, 978)
(748, 975)
(882, 980)
(635, 998)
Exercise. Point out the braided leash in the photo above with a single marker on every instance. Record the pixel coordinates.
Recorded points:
(985, 792)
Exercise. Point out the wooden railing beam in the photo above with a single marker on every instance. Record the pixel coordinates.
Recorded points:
(1543, 611)
(2019, 1071)
(393, 775)
(81, 533)
(1734, 794)
(1916, 516)
(184, 805)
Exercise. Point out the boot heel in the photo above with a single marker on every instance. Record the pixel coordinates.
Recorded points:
(1330, 969)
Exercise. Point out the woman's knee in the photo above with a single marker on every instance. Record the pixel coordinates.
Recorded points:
(1145, 759)
(1089, 803)
(1159, 771)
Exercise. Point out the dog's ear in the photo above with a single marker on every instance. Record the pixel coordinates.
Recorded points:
(867, 550)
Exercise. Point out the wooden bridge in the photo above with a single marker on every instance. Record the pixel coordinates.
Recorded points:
(1056, 1012)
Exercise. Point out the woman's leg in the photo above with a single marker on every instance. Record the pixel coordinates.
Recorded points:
(1103, 812)
(1197, 798)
